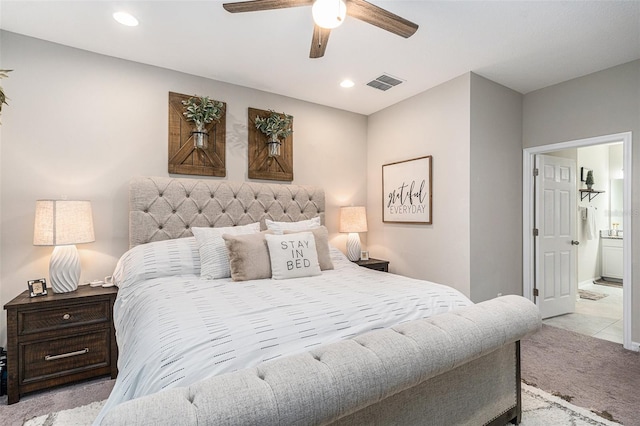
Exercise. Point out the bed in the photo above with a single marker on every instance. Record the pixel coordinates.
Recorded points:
(178, 331)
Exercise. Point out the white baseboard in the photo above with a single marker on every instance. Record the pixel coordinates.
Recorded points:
(635, 346)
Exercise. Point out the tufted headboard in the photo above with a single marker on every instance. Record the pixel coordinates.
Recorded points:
(162, 208)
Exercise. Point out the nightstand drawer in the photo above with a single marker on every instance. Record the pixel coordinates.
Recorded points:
(46, 359)
(59, 318)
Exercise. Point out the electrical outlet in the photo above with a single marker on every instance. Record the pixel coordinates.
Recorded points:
(499, 294)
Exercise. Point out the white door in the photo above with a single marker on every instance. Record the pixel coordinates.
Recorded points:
(556, 248)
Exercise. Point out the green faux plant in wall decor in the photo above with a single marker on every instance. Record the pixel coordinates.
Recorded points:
(201, 111)
(589, 179)
(275, 126)
(3, 98)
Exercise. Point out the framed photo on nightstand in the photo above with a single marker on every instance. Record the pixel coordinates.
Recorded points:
(37, 287)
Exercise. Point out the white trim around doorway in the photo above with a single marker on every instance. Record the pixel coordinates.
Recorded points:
(528, 219)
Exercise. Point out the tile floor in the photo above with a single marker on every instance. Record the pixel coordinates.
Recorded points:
(598, 318)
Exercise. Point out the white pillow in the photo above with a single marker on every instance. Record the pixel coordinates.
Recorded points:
(157, 259)
(293, 255)
(213, 252)
(301, 225)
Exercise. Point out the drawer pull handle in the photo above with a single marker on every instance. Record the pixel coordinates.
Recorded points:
(67, 355)
(66, 316)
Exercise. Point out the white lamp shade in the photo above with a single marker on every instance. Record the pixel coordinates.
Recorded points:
(353, 219)
(62, 222)
(328, 13)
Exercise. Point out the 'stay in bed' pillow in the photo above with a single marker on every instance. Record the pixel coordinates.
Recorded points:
(293, 255)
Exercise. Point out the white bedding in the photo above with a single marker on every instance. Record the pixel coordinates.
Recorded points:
(176, 330)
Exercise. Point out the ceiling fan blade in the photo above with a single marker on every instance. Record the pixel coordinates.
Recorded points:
(319, 41)
(374, 15)
(256, 5)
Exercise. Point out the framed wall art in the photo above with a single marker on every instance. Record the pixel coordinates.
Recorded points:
(186, 157)
(262, 164)
(583, 173)
(407, 191)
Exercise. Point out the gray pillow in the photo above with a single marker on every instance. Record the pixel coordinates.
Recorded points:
(248, 256)
(321, 235)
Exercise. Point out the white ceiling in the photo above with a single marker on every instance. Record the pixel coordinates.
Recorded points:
(524, 45)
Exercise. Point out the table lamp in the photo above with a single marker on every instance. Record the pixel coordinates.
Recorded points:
(63, 224)
(353, 220)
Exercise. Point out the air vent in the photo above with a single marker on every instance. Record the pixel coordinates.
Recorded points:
(384, 82)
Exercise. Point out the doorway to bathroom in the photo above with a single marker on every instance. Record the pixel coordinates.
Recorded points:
(600, 240)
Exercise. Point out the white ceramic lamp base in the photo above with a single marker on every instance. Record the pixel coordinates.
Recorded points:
(353, 246)
(64, 269)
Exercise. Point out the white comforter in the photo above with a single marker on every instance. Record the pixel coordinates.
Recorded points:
(174, 331)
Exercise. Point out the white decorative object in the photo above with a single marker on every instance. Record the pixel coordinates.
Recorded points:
(63, 223)
(353, 220)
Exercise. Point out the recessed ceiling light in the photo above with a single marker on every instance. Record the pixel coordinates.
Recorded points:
(347, 83)
(125, 19)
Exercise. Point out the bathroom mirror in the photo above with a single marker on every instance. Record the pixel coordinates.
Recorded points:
(615, 200)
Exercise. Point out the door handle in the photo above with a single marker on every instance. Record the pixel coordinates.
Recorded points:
(575, 243)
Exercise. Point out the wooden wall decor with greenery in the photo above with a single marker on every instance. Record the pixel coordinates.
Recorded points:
(3, 97)
(261, 166)
(184, 158)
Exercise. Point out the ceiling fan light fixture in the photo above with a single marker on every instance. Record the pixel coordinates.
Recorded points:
(329, 13)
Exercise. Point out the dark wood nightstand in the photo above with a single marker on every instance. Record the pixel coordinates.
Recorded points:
(376, 264)
(60, 338)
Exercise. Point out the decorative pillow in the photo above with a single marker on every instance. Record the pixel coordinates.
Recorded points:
(248, 256)
(157, 259)
(213, 252)
(301, 225)
(321, 235)
(293, 255)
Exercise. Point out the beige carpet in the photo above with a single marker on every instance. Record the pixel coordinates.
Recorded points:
(45, 402)
(592, 373)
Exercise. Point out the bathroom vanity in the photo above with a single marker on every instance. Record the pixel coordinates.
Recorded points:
(612, 259)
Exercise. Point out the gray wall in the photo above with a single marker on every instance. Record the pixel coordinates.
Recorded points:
(602, 103)
(496, 190)
(473, 129)
(435, 122)
(81, 124)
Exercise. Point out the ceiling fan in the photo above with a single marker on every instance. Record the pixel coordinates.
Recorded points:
(328, 14)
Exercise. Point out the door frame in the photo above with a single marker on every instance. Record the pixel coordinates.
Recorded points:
(528, 194)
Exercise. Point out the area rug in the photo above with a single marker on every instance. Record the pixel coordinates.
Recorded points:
(591, 295)
(538, 409)
(595, 374)
(73, 417)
